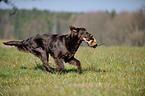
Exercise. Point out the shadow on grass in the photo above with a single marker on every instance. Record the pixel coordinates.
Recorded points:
(64, 71)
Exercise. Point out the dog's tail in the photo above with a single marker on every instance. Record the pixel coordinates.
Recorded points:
(18, 44)
(13, 43)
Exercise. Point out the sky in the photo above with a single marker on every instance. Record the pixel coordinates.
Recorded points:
(77, 5)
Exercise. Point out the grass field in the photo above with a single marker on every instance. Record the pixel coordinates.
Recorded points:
(107, 71)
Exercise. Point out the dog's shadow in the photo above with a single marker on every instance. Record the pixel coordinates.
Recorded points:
(39, 66)
(64, 71)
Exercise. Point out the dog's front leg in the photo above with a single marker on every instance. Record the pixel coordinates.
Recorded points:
(76, 62)
(59, 64)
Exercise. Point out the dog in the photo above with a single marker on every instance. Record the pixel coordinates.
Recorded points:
(60, 47)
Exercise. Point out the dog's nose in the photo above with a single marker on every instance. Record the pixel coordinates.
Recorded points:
(95, 46)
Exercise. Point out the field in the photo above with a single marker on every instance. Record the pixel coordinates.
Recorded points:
(107, 71)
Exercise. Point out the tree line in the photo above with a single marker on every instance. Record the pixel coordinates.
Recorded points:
(111, 28)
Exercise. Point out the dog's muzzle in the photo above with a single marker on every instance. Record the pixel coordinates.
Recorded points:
(91, 42)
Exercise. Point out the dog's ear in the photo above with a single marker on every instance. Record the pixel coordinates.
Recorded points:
(72, 28)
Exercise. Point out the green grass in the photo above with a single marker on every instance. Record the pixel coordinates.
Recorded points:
(107, 71)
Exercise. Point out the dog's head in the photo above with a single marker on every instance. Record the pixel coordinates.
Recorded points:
(84, 36)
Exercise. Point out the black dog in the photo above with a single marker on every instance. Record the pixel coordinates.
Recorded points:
(60, 47)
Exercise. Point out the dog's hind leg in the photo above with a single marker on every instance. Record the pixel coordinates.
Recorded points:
(45, 60)
(39, 52)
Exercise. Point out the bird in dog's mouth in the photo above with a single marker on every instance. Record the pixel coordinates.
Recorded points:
(91, 42)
